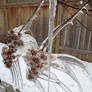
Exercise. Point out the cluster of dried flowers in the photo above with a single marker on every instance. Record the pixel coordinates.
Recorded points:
(13, 41)
(35, 61)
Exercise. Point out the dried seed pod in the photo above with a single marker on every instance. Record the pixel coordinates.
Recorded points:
(11, 46)
(19, 34)
(31, 63)
(39, 66)
(9, 52)
(8, 40)
(12, 32)
(14, 37)
(9, 57)
(15, 42)
(20, 43)
(33, 52)
(35, 59)
(42, 56)
(13, 50)
(13, 57)
(8, 64)
(33, 69)
(35, 72)
(30, 77)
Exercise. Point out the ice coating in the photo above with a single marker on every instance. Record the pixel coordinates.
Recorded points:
(52, 13)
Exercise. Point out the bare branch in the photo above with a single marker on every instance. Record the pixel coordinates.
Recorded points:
(61, 26)
(33, 16)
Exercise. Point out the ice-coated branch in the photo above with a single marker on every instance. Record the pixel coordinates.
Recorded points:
(33, 16)
(61, 26)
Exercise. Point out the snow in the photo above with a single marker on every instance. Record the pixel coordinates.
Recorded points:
(29, 86)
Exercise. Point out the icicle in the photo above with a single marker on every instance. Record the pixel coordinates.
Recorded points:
(52, 12)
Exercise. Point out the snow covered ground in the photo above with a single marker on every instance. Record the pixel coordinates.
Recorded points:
(29, 86)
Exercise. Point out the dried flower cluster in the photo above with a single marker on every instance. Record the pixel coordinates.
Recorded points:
(13, 42)
(35, 61)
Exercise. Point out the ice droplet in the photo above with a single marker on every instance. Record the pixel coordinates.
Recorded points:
(81, 11)
(81, 2)
(71, 22)
(85, 8)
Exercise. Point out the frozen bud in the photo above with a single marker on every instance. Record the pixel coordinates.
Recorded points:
(35, 59)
